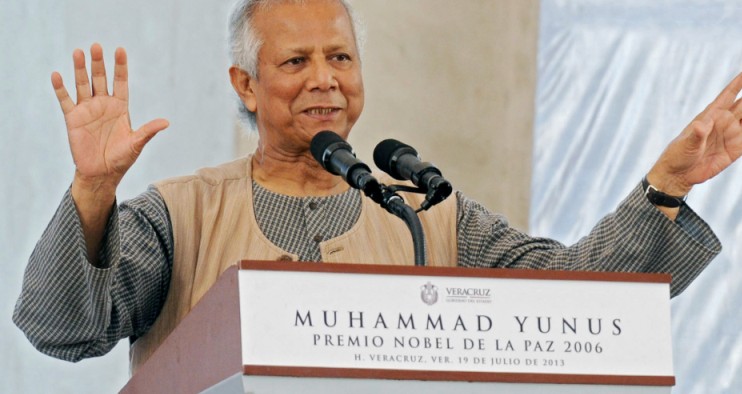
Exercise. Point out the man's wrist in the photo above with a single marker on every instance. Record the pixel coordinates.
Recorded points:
(659, 198)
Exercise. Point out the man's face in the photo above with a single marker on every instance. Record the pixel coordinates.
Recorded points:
(309, 74)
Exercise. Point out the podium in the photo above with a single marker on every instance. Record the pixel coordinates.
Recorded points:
(284, 327)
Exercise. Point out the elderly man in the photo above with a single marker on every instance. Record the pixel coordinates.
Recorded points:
(102, 272)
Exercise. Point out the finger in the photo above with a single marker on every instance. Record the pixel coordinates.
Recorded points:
(65, 101)
(98, 70)
(121, 76)
(146, 132)
(727, 97)
(737, 109)
(699, 131)
(81, 75)
(705, 128)
(725, 120)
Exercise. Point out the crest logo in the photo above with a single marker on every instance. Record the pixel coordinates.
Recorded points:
(429, 293)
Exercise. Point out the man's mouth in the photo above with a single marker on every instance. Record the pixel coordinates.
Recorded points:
(321, 111)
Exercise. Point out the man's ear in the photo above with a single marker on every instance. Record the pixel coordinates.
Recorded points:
(243, 85)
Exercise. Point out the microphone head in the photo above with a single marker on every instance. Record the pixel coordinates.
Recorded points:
(387, 153)
(320, 144)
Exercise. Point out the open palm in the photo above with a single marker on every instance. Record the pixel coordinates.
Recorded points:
(710, 144)
(102, 142)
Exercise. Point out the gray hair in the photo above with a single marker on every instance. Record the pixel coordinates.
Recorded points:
(244, 42)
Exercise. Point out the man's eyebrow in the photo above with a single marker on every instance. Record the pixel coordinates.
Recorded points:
(309, 49)
(295, 50)
(335, 48)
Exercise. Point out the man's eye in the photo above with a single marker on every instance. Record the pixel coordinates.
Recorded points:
(342, 57)
(295, 61)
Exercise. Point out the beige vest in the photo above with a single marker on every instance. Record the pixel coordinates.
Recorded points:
(214, 227)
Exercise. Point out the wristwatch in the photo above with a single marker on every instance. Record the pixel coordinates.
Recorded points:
(656, 197)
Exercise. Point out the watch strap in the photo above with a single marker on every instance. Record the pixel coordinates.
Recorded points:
(656, 197)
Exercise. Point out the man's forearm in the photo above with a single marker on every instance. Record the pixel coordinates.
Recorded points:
(94, 202)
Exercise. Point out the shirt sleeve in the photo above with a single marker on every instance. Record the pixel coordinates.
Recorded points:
(635, 238)
(70, 309)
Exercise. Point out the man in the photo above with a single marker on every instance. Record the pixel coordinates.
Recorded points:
(102, 272)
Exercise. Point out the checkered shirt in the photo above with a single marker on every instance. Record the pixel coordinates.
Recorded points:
(72, 310)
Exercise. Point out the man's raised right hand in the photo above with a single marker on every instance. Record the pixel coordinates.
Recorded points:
(102, 142)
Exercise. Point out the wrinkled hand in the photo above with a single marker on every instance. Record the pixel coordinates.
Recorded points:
(707, 146)
(102, 142)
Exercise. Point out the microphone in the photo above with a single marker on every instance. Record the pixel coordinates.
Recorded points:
(402, 162)
(337, 157)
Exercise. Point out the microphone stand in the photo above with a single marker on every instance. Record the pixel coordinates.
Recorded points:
(388, 198)
(395, 205)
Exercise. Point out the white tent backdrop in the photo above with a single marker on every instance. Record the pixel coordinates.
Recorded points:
(37, 37)
(617, 82)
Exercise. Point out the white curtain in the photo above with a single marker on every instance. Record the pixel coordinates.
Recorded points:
(177, 70)
(617, 82)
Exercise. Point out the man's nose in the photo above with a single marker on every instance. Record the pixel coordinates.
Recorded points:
(322, 76)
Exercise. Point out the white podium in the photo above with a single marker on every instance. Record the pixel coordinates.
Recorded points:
(284, 327)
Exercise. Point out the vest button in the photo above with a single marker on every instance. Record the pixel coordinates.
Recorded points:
(313, 205)
(318, 238)
(284, 257)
